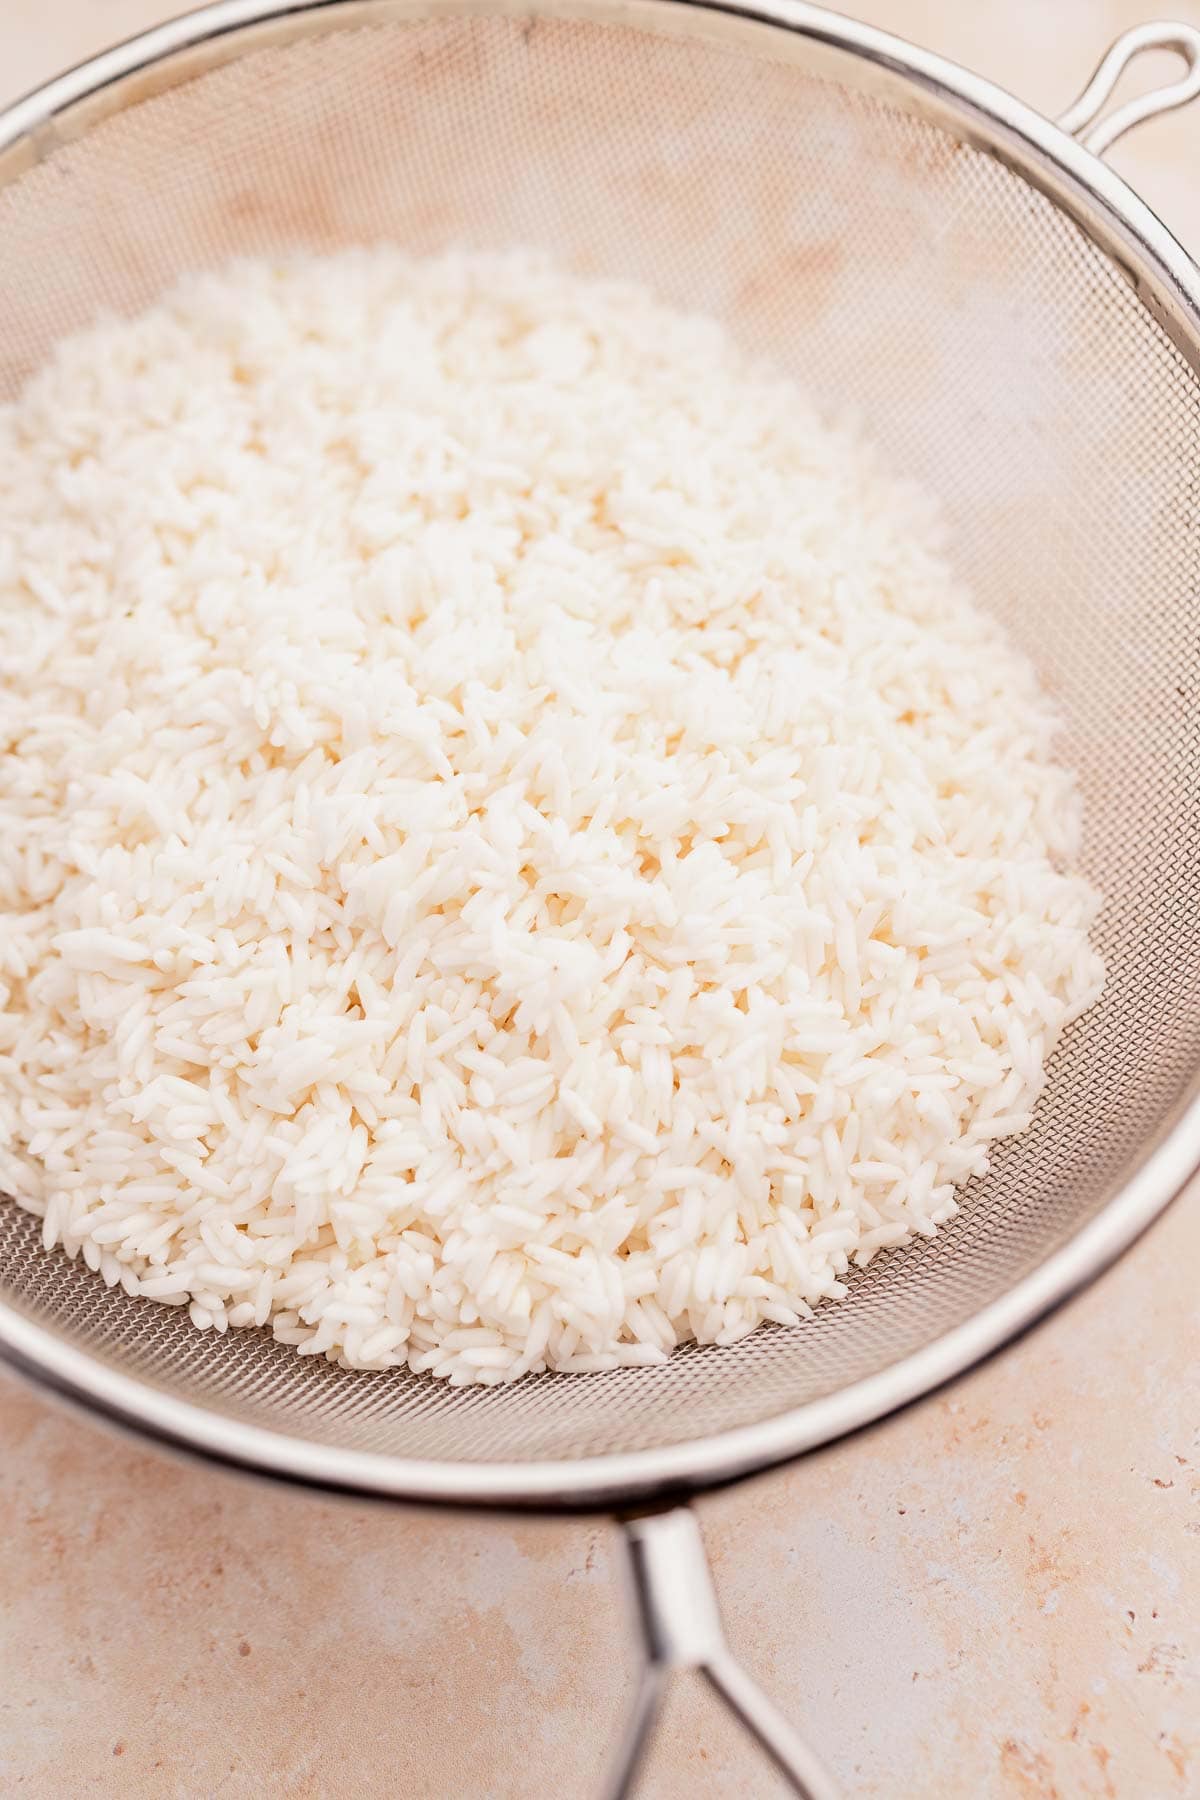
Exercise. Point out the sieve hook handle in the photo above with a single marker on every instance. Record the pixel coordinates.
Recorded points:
(681, 1629)
(1080, 120)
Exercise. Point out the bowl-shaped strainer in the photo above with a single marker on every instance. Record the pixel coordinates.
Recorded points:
(1016, 329)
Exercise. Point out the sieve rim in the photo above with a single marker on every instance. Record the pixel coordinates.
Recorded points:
(1166, 280)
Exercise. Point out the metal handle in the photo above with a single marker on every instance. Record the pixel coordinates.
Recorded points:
(1080, 120)
(681, 1629)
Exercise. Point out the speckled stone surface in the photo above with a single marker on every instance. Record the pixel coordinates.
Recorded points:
(997, 1595)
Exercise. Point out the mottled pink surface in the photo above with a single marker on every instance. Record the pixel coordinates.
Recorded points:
(996, 1595)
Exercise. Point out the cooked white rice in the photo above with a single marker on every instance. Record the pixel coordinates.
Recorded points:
(516, 852)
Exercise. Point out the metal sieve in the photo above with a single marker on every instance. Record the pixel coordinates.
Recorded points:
(1014, 327)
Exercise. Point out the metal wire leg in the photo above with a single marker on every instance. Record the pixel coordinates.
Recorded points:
(787, 1750)
(622, 1777)
(681, 1628)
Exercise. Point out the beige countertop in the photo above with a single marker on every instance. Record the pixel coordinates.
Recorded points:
(996, 1595)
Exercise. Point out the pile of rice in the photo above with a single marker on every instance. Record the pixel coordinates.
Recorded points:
(514, 850)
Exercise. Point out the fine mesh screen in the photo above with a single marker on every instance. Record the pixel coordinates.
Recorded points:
(989, 347)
